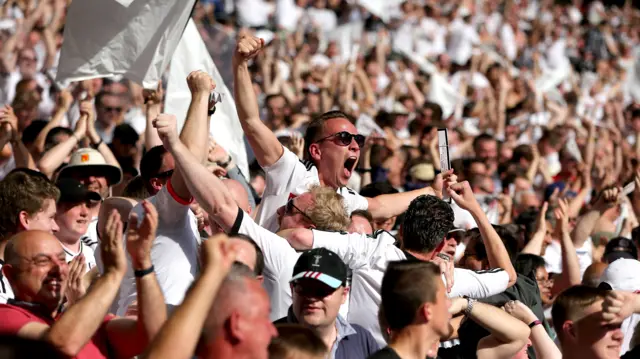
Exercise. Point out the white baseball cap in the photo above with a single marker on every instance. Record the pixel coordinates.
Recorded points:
(622, 275)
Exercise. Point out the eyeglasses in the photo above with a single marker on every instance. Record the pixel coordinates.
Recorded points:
(344, 138)
(289, 210)
(165, 174)
(112, 109)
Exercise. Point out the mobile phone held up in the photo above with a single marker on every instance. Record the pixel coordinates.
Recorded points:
(445, 159)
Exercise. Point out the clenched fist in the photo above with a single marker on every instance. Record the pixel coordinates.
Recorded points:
(200, 83)
(247, 48)
(167, 129)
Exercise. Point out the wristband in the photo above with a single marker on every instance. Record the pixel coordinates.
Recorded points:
(534, 323)
(143, 272)
(363, 170)
(97, 144)
(469, 308)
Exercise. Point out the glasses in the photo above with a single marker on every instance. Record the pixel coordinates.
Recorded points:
(544, 282)
(112, 109)
(165, 174)
(344, 138)
(289, 210)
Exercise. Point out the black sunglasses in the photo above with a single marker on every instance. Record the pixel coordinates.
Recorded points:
(113, 109)
(344, 138)
(165, 174)
(289, 210)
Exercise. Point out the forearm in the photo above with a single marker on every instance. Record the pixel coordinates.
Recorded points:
(535, 244)
(584, 227)
(264, 143)
(55, 157)
(195, 132)
(185, 324)
(152, 311)
(54, 122)
(576, 204)
(151, 138)
(570, 266)
(211, 194)
(22, 156)
(390, 205)
(501, 325)
(545, 347)
(79, 323)
(497, 254)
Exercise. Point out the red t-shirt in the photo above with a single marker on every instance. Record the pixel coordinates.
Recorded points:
(15, 317)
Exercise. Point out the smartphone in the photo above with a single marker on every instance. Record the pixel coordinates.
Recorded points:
(445, 159)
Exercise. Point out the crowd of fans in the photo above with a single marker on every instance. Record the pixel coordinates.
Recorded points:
(122, 236)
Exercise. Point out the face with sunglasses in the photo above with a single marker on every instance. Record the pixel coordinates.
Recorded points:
(111, 110)
(293, 215)
(337, 151)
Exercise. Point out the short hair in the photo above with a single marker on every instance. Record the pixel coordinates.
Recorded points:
(49, 141)
(259, 269)
(136, 189)
(295, 338)
(406, 286)
(151, 162)
(32, 131)
(426, 222)
(364, 214)
(328, 211)
(315, 128)
(571, 303)
(522, 151)
(436, 110)
(102, 94)
(23, 190)
(481, 138)
(527, 264)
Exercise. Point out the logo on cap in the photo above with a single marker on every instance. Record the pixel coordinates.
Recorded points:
(316, 260)
(84, 157)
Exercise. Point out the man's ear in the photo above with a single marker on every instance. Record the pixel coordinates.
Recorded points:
(8, 271)
(345, 292)
(426, 312)
(233, 327)
(23, 220)
(315, 152)
(569, 330)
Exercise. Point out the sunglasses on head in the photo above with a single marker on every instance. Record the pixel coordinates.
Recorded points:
(344, 138)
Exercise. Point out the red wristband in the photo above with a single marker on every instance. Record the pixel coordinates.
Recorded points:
(534, 323)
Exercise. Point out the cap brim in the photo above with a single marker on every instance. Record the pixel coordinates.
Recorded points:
(326, 279)
(113, 174)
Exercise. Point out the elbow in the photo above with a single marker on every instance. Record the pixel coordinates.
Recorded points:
(67, 347)
(299, 240)
(513, 276)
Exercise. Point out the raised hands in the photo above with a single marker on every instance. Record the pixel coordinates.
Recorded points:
(200, 83)
(463, 195)
(75, 287)
(562, 216)
(217, 254)
(518, 310)
(167, 130)
(618, 305)
(140, 236)
(247, 48)
(111, 246)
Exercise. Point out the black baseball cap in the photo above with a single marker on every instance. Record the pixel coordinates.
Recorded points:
(620, 247)
(72, 191)
(323, 265)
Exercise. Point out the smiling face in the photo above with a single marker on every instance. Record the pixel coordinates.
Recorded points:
(73, 220)
(336, 162)
(37, 270)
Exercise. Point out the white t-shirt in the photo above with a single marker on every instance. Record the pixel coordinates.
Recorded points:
(324, 18)
(174, 253)
(368, 257)
(553, 256)
(291, 176)
(6, 292)
(254, 13)
(89, 255)
(462, 38)
(91, 237)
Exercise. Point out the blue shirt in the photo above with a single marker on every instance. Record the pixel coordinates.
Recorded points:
(352, 342)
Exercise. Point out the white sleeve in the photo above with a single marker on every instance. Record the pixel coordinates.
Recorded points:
(172, 210)
(355, 249)
(286, 174)
(479, 284)
(353, 200)
(276, 250)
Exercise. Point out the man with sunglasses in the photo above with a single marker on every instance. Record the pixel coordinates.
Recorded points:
(320, 207)
(175, 249)
(319, 287)
(332, 153)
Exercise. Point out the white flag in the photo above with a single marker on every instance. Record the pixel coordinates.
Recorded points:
(190, 55)
(132, 38)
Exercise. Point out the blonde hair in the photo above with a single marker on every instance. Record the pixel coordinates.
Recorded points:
(328, 211)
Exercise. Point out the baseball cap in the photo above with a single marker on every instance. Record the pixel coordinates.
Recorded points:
(622, 275)
(89, 160)
(72, 191)
(618, 248)
(323, 265)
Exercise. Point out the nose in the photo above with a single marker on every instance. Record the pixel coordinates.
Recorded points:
(273, 331)
(54, 226)
(353, 146)
(84, 210)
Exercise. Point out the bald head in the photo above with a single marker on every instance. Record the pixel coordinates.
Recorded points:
(25, 243)
(593, 273)
(239, 193)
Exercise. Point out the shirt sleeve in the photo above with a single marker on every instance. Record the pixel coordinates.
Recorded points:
(286, 174)
(276, 250)
(355, 249)
(12, 320)
(172, 209)
(479, 284)
(353, 200)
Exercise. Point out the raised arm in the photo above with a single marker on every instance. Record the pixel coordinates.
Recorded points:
(497, 254)
(208, 190)
(544, 346)
(129, 337)
(65, 100)
(186, 322)
(587, 222)
(570, 265)
(153, 107)
(79, 323)
(55, 157)
(264, 143)
(92, 134)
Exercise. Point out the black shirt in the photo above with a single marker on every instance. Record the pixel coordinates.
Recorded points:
(385, 353)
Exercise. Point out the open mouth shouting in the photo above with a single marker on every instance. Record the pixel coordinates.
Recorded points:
(350, 165)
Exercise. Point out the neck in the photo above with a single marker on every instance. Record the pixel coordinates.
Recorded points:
(410, 343)
(72, 243)
(95, 211)
(323, 182)
(328, 334)
(3, 244)
(422, 256)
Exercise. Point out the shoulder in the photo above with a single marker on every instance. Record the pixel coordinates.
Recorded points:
(307, 164)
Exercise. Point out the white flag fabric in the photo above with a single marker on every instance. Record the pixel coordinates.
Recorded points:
(191, 54)
(132, 38)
